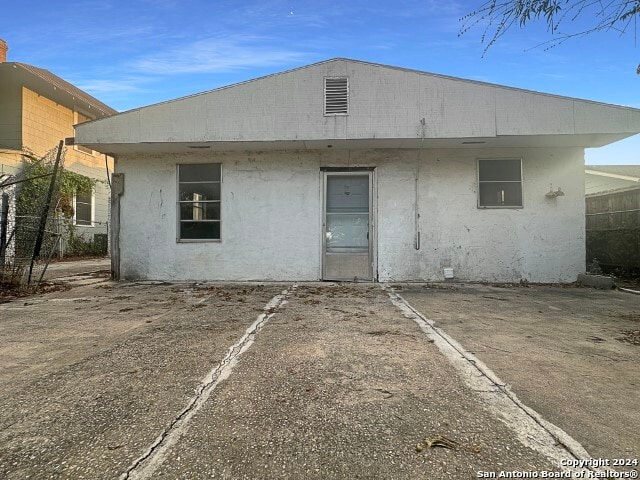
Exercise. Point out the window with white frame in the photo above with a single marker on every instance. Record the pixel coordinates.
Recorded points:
(199, 194)
(500, 183)
(83, 208)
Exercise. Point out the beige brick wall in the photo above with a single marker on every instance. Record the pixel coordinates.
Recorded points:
(44, 124)
(10, 161)
(10, 114)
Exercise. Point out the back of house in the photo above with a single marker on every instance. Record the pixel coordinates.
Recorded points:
(348, 170)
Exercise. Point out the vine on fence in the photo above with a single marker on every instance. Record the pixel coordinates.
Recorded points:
(32, 193)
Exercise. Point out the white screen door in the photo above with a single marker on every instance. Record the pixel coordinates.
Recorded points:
(347, 226)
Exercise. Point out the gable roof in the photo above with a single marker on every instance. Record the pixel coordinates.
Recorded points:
(606, 179)
(44, 82)
(389, 107)
(630, 171)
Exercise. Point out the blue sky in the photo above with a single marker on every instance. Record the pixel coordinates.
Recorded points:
(137, 52)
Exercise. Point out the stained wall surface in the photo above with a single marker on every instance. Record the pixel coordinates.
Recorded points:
(384, 103)
(272, 209)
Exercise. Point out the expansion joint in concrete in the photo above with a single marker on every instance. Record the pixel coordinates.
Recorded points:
(533, 430)
(145, 465)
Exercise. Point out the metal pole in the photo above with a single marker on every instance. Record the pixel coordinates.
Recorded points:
(117, 190)
(15, 182)
(45, 212)
(48, 261)
(4, 221)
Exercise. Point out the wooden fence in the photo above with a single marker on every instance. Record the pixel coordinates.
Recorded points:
(613, 230)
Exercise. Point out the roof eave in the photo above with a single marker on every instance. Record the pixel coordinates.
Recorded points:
(514, 142)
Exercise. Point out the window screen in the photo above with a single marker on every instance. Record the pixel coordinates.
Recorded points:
(83, 208)
(347, 221)
(500, 183)
(199, 196)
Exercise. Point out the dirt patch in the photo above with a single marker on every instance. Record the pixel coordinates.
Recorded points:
(73, 260)
(9, 293)
(631, 316)
(631, 336)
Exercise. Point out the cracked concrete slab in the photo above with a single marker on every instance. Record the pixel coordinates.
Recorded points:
(93, 380)
(145, 466)
(338, 384)
(562, 350)
(532, 429)
(68, 268)
(341, 385)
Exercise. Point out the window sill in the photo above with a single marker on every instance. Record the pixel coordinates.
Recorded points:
(204, 240)
(499, 207)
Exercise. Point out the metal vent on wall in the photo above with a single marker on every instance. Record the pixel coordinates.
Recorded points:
(336, 96)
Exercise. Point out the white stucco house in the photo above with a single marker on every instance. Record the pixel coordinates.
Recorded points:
(347, 170)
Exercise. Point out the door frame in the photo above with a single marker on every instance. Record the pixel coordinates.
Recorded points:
(373, 211)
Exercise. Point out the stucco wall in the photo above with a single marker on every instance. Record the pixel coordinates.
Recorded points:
(271, 217)
(542, 242)
(384, 103)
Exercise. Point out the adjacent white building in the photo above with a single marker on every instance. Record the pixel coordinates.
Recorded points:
(347, 170)
(606, 179)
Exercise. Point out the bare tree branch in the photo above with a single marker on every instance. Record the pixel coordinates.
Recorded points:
(499, 16)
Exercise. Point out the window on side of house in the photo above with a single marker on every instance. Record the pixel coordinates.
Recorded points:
(199, 194)
(500, 183)
(83, 208)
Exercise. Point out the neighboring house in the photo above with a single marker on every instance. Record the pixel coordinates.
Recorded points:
(613, 217)
(37, 110)
(606, 178)
(7, 218)
(346, 170)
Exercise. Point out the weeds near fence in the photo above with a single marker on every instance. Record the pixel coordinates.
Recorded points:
(41, 199)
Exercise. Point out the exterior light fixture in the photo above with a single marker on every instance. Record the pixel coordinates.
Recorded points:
(552, 194)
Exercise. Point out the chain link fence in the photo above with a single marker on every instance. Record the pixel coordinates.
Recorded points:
(18, 265)
(29, 235)
(38, 219)
(82, 240)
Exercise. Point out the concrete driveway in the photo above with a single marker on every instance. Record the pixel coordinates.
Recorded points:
(572, 354)
(153, 380)
(70, 268)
